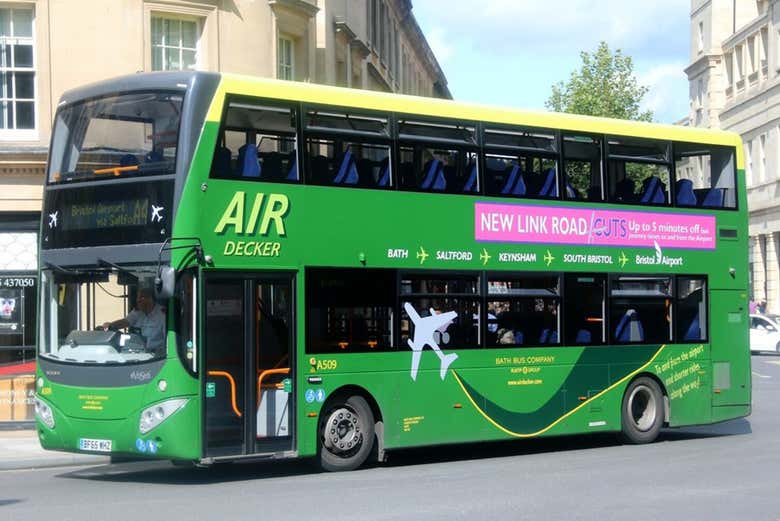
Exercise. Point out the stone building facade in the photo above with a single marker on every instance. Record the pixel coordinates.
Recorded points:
(734, 79)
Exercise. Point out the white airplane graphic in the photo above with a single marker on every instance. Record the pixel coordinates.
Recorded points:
(156, 213)
(53, 219)
(424, 329)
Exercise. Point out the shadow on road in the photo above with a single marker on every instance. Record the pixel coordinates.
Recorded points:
(162, 472)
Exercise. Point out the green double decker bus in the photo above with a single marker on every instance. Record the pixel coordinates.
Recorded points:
(237, 268)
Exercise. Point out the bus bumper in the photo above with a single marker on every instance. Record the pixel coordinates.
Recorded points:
(177, 437)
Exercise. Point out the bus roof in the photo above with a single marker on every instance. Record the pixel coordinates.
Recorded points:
(372, 100)
(402, 103)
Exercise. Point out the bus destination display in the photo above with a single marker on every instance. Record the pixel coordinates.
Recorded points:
(93, 215)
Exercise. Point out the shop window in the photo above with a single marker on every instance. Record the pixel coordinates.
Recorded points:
(17, 345)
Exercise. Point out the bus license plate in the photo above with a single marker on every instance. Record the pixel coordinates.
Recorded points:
(95, 445)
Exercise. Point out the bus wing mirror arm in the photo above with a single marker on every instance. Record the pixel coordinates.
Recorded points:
(164, 283)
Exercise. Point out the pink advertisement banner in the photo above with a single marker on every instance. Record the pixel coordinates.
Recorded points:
(589, 226)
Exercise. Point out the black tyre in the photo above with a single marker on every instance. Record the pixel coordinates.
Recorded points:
(642, 411)
(346, 434)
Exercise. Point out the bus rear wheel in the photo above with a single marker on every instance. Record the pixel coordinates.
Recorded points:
(346, 434)
(642, 411)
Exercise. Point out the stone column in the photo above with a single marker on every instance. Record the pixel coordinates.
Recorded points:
(772, 279)
(759, 270)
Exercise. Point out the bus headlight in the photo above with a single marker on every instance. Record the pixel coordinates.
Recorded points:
(43, 413)
(153, 416)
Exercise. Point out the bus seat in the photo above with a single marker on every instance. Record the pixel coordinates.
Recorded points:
(153, 156)
(625, 190)
(544, 336)
(684, 193)
(694, 329)
(518, 336)
(471, 182)
(220, 165)
(128, 160)
(553, 337)
(433, 170)
(511, 179)
(347, 173)
(272, 166)
(583, 337)
(384, 172)
(292, 172)
(714, 198)
(365, 170)
(549, 188)
(653, 191)
(571, 192)
(319, 170)
(629, 329)
(406, 175)
(248, 163)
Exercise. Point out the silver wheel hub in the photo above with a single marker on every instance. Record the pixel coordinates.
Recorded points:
(342, 431)
(642, 407)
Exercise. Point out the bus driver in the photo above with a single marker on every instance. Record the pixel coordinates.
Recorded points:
(148, 317)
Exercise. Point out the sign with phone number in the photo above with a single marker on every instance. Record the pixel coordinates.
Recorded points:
(17, 282)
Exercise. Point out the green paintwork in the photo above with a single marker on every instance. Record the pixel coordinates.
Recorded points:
(577, 389)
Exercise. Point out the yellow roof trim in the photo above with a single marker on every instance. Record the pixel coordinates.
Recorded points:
(322, 94)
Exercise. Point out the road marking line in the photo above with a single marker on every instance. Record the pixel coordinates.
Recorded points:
(761, 375)
(776, 362)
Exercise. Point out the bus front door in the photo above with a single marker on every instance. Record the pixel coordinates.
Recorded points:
(248, 387)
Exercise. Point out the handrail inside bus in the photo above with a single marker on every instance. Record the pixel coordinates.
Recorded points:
(232, 389)
(262, 375)
(116, 170)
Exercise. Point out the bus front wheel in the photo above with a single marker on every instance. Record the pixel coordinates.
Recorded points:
(346, 434)
(642, 411)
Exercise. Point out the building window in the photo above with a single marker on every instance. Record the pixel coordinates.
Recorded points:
(728, 62)
(762, 157)
(749, 162)
(174, 44)
(285, 64)
(701, 36)
(17, 71)
(738, 53)
(764, 47)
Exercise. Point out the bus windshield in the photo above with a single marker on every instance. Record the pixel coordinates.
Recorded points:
(116, 136)
(101, 317)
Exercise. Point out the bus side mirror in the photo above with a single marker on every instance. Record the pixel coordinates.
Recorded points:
(164, 283)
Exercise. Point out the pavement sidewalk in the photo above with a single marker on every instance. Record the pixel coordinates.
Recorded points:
(20, 449)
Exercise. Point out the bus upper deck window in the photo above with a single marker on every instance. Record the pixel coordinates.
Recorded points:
(704, 176)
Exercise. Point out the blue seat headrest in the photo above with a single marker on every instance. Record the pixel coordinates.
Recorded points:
(685, 195)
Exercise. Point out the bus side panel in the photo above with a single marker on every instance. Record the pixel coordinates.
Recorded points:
(731, 384)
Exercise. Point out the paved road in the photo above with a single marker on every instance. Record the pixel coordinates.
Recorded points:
(724, 472)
